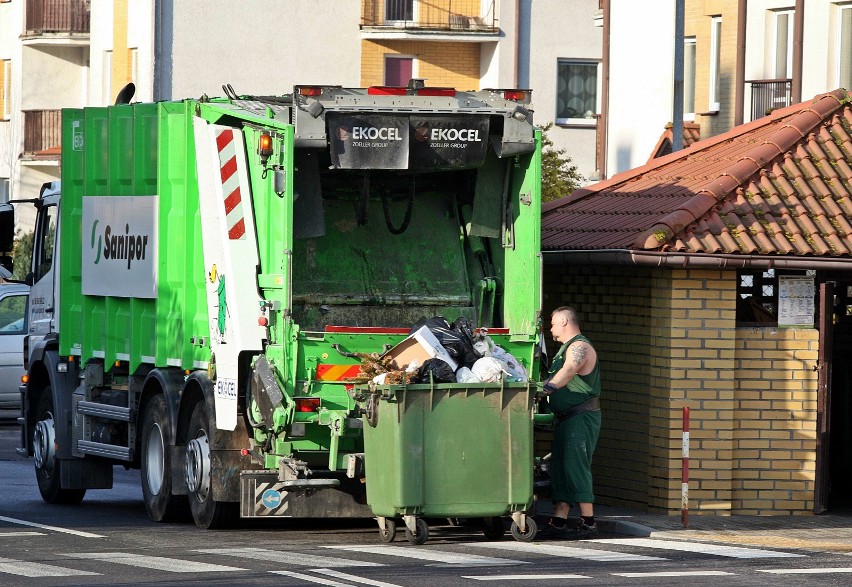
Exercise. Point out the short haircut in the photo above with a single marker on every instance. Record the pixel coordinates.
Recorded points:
(569, 313)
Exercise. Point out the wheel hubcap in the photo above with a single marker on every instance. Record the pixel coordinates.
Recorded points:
(154, 459)
(198, 466)
(44, 444)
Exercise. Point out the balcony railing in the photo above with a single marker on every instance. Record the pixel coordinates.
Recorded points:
(57, 16)
(42, 133)
(436, 15)
(768, 95)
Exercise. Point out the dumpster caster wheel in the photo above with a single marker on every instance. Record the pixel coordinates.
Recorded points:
(389, 533)
(493, 528)
(421, 535)
(531, 530)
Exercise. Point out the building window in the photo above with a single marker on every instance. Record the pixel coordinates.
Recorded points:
(689, 78)
(781, 44)
(399, 10)
(4, 189)
(757, 295)
(715, 62)
(5, 89)
(398, 70)
(577, 93)
(844, 45)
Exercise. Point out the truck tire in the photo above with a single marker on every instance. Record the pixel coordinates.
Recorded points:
(160, 504)
(207, 512)
(47, 466)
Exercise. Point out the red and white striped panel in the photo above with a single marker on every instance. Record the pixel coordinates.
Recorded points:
(231, 184)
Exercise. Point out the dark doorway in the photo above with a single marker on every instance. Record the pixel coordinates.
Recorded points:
(836, 407)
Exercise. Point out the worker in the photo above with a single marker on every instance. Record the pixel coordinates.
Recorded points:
(573, 389)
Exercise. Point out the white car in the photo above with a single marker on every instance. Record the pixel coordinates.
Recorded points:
(13, 327)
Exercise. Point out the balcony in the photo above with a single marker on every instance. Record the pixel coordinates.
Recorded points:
(768, 95)
(406, 18)
(42, 135)
(57, 18)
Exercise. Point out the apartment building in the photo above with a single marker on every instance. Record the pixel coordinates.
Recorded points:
(72, 53)
(742, 59)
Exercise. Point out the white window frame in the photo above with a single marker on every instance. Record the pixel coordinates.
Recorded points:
(774, 41)
(715, 63)
(838, 44)
(689, 81)
(7, 90)
(593, 121)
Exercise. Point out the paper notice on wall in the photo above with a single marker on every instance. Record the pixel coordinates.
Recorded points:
(796, 301)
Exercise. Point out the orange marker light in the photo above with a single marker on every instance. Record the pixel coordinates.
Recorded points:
(264, 147)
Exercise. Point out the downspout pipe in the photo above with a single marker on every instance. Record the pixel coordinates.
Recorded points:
(690, 260)
(739, 73)
(602, 121)
(798, 44)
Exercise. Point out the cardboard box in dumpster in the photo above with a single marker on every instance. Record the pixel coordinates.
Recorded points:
(420, 346)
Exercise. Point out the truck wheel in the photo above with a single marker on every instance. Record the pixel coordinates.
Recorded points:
(207, 512)
(160, 504)
(47, 466)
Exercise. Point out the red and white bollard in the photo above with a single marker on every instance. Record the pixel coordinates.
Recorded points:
(684, 485)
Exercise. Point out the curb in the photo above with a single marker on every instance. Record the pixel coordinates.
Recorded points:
(624, 528)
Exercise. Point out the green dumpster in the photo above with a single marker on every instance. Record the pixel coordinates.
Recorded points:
(449, 450)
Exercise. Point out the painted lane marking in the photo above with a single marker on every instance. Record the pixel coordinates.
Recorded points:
(292, 558)
(522, 577)
(153, 562)
(699, 547)
(588, 554)
(53, 528)
(310, 578)
(22, 533)
(432, 555)
(353, 578)
(806, 571)
(30, 569)
(675, 574)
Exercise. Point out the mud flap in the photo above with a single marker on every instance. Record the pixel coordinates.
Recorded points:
(263, 495)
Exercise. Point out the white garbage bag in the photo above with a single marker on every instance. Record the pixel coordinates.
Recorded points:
(489, 370)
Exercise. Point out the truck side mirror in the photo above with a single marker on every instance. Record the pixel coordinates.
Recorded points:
(7, 227)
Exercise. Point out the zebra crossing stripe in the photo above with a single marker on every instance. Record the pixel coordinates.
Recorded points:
(438, 556)
(817, 571)
(30, 569)
(290, 558)
(21, 533)
(604, 556)
(159, 563)
(354, 578)
(697, 547)
(311, 578)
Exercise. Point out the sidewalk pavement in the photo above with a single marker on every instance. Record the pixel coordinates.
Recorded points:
(826, 532)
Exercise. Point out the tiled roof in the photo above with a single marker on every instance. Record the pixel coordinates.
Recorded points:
(691, 134)
(780, 185)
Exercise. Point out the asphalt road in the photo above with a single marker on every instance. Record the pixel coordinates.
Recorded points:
(108, 540)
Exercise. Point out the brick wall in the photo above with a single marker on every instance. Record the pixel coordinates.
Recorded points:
(775, 438)
(667, 339)
(453, 65)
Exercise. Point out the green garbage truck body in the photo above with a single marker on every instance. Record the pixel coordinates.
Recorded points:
(209, 275)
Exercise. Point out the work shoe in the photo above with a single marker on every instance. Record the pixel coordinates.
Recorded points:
(551, 532)
(581, 531)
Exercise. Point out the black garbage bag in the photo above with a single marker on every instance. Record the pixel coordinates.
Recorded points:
(457, 339)
(435, 371)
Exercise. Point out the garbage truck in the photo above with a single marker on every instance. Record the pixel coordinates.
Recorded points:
(209, 274)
